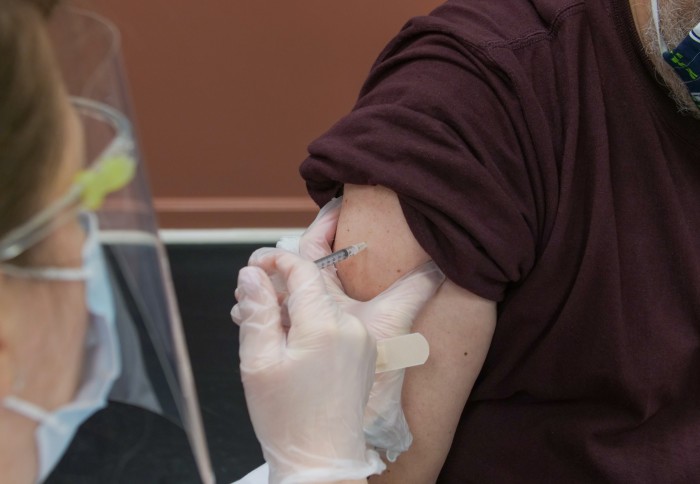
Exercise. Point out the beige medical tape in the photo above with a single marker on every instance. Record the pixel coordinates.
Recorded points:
(401, 352)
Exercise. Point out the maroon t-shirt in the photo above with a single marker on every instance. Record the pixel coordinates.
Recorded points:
(541, 164)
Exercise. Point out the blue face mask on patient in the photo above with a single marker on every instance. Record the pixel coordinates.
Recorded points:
(685, 58)
(102, 358)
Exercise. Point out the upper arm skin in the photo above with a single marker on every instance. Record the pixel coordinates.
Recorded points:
(457, 324)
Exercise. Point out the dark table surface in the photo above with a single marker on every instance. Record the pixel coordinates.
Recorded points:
(205, 279)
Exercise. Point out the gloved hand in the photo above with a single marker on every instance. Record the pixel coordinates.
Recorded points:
(306, 386)
(389, 314)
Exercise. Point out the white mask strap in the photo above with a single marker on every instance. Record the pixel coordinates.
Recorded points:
(46, 273)
(31, 411)
(89, 222)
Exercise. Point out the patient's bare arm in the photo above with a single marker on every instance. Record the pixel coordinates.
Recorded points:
(458, 325)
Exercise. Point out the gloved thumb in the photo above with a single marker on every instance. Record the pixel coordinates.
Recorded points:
(392, 312)
(311, 309)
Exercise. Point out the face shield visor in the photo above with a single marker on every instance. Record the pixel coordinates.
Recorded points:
(154, 384)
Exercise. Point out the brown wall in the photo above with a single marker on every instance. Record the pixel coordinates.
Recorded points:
(228, 94)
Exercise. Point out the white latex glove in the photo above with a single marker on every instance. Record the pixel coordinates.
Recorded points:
(389, 314)
(306, 388)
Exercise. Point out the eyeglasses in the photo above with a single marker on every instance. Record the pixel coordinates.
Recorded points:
(113, 169)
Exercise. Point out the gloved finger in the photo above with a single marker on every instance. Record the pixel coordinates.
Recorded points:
(385, 426)
(261, 253)
(260, 258)
(277, 282)
(236, 309)
(262, 337)
(311, 309)
(392, 312)
(317, 240)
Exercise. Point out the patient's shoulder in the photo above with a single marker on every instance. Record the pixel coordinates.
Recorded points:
(372, 214)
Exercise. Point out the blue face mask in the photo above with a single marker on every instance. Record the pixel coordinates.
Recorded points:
(685, 58)
(102, 358)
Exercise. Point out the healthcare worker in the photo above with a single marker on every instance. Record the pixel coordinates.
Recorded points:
(95, 380)
(91, 344)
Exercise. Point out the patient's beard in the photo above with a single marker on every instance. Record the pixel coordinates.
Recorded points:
(676, 18)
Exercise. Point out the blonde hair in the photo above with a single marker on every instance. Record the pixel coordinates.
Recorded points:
(31, 109)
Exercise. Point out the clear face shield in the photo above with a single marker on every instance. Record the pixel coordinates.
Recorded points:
(152, 387)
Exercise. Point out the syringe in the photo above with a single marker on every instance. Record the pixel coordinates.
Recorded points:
(340, 255)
